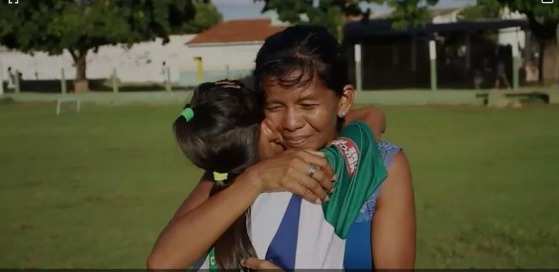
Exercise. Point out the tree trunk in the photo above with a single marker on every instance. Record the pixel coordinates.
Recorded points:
(80, 62)
(550, 65)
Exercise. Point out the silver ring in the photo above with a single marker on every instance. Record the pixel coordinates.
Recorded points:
(312, 169)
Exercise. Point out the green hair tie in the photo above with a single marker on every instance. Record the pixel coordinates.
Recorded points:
(187, 113)
(219, 177)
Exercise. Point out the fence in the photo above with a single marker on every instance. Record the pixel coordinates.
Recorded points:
(65, 83)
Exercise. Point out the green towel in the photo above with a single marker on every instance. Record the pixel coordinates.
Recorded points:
(355, 158)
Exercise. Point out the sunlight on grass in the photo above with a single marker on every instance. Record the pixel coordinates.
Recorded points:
(93, 189)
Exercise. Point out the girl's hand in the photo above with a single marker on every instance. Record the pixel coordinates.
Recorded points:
(258, 264)
(270, 142)
(302, 172)
(372, 116)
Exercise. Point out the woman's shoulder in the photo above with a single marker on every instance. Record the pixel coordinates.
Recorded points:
(388, 151)
(399, 177)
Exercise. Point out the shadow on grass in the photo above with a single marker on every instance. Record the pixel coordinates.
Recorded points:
(6, 101)
(96, 85)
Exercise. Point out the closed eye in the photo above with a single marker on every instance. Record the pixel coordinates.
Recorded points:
(273, 108)
(309, 106)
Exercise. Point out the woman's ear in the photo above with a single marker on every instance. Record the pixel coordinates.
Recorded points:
(346, 101)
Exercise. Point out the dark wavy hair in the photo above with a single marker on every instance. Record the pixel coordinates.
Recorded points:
(222, 136)
(294, 56)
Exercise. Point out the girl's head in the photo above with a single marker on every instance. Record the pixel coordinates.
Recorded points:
(219, 132)
(222, 129)
(302, 75)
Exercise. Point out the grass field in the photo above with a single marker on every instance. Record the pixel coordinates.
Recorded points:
(94, 189)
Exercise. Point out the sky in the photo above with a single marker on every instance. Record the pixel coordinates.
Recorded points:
(236, 9)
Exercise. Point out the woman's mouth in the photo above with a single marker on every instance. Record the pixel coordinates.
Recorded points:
(295, 141)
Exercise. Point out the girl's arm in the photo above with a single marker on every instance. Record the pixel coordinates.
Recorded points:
(194, 229)
(393, 231)
(372, 116)
(201, 219)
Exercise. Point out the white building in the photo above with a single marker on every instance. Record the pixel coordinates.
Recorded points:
(226, 50)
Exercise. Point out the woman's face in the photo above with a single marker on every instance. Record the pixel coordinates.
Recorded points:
(305, 116)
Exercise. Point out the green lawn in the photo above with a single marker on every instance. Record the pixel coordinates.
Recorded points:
(94, 189)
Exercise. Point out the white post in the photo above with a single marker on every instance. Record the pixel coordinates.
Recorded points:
(114, 81)
(358, 72)
(168, 79)
(62, 81)
(433, 59)
(18, 81)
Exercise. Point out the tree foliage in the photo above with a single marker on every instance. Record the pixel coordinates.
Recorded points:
(81, 25)
(410, 13)
(329, 13)
(206, 16)
(543, 18)
(485, 9)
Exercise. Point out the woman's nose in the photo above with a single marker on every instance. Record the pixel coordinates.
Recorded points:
(292, 120)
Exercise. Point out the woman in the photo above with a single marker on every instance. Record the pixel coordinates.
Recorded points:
(300, 73)
(219, 132)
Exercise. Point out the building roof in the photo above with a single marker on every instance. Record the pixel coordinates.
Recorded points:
(245, 31)
(355, 32)
(444, 11)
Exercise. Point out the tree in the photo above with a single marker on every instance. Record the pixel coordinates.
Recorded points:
(409, 13)
(330, 13)
(79, 26)
(543, 22)
(485, 9)
(206, 16)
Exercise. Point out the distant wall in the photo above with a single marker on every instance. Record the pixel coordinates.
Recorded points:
(141, 63)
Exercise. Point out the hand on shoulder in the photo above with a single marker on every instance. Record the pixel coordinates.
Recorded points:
(291, 171)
